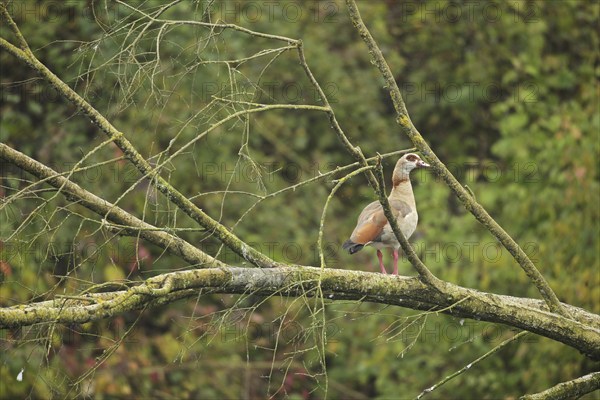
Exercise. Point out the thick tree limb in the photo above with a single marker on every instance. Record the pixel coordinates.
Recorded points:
(582, 332)
(568, 390)
(407, 127)
(111, 212)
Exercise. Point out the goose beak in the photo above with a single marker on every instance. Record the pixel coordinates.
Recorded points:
(422, 164)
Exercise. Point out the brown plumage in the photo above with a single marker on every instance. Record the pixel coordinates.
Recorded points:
(372, 227)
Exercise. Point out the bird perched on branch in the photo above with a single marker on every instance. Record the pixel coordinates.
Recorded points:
(373, 229)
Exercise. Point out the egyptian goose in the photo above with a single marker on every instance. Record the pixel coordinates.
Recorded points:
(373, 229)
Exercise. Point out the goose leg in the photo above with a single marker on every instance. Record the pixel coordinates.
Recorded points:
(395, 253)
(380, 256)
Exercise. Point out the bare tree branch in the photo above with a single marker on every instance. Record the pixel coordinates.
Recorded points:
(111, 212)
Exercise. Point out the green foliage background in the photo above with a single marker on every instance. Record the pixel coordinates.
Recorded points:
(505, 92)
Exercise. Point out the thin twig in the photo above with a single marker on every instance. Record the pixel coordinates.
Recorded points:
(471, 364)
(211, 25)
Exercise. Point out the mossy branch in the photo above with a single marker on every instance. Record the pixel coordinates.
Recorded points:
(568, 390)
(582, 332)
(469, 202)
